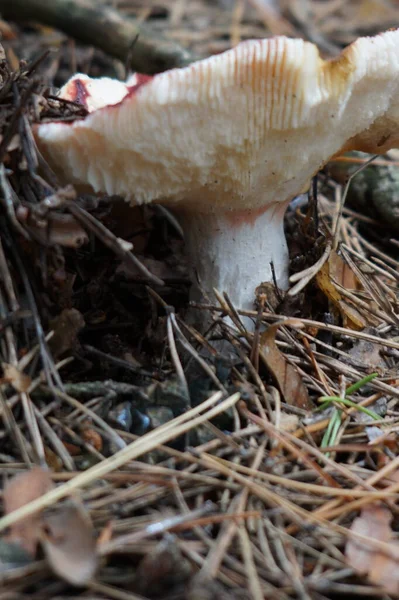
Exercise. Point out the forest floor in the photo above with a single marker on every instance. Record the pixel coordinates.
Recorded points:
(145, 463)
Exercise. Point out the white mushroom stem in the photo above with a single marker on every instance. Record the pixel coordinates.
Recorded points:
(233, 251)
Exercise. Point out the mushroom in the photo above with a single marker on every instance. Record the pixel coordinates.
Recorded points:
(228, 141)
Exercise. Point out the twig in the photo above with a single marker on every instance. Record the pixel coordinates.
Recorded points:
(103, 27)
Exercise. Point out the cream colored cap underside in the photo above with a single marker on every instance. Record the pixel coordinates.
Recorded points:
(241, 129)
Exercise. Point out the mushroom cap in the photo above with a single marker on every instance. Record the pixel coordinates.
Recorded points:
(93, 93)
(243, 129)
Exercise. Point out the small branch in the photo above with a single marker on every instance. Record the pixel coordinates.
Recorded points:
(90, 22)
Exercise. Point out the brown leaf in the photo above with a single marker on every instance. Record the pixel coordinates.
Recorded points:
(336, 270)
(287, 377)
(21, 490)
(73, 449)
(53, 461)
(69, 544)
(16, 378)
(367, 354)
(93, 437)
(66, 327)
(380, 567)
(342, 273)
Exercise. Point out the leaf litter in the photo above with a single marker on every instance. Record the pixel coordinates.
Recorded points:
(234, 495)
(19, 491)
(380, 565)
(69, 544)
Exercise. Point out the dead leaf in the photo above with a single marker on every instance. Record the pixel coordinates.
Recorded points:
(66, 327)
(53, 461)
(381, 568)
(342, 273)
(73, 449)
(21, 490)
(367, 353)
(69, 544)
(19, 381)
(287, 377)
(93, 438)
(336, 270)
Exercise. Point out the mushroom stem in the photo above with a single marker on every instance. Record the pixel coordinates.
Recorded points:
(233, 251)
